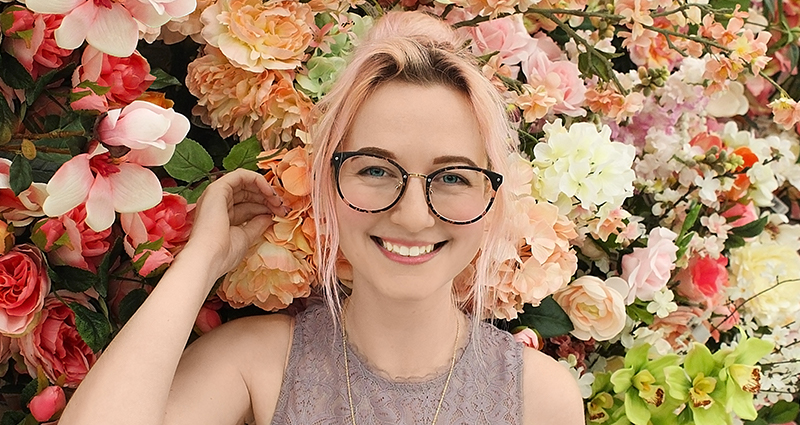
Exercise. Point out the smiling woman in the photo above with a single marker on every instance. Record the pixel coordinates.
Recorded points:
(411, 149)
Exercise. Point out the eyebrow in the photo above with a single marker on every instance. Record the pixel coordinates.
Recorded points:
(446, 159)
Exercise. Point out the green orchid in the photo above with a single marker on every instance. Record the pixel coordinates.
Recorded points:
(695, 384)
(602, 404)
(642, 382)
(740, 375)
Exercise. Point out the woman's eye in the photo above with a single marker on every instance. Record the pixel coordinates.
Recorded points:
(454, 179)
(374, 172)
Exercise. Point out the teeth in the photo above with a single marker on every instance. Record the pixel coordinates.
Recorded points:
(407, 251)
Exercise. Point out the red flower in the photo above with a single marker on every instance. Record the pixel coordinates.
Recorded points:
(23, 285)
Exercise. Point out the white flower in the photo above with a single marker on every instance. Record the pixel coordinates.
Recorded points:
(584, 381)
(662, 304)
(583, 163)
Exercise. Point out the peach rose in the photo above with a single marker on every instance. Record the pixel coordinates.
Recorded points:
(647, 270)
(68, 240)
(561, 79)
(290, 175)
(257, 35)
(55, 346)
(594, 307)
(47, 403)
(127, 78)
(23, 285)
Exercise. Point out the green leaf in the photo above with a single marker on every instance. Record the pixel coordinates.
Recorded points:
(691, 219)
(12, 417)
(751, 229)
(101, 286)
(783, 412)
(94, 87)
(190, 162)
(734, 241)
(8, 122)
(28, 391)
(638, 311)
(74, 279)
(14, 74)
(130, 303)
(243, 155)
(193, 195)
(93, 327)
(19, 175)
(549, 319)
(163, 80)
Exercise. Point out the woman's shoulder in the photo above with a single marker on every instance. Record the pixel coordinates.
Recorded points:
(550, 393)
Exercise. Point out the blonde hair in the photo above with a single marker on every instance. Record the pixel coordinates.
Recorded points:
(415, 48)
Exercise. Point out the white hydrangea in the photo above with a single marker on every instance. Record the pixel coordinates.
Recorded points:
(583, 164)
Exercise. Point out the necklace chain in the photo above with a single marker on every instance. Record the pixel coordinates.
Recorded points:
(446, 382)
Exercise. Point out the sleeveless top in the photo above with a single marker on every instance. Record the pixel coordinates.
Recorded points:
(486, 390)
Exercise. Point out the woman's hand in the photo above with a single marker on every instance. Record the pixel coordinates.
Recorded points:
(232, 212)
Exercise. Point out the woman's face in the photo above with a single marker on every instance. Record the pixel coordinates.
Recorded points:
(406, 252)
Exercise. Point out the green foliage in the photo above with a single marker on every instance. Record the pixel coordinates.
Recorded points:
(13, 417)
(93, 327)
(243, 155)
(751, 229)
(779, 413)
(163, 80)
(190, 162)
(8, 122)
(19, 175)
(549, 319)
(130, 303)
(74, 279)
(13, 73)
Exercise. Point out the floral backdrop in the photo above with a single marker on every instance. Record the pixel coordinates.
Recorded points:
(657, 194)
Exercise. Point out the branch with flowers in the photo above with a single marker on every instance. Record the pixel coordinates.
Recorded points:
(657, 195)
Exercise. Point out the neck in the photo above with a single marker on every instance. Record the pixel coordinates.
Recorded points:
(404, 338)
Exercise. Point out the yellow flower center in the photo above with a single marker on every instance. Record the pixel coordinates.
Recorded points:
(597, 407)
(652, 394)
(747, 377)
(702, 386)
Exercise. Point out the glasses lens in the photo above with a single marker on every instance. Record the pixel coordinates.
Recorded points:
(460, 194)
(369, 183)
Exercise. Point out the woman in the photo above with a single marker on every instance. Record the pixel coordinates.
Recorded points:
(409, 155)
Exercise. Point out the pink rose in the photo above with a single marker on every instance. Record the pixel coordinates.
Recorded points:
(741, 214)
(48, 403)
(55, 346)
(507, 36)
(647, 270)
(595, 308)
(170, 221)
(23, 285)
(37, 50)
(529, 338)
(561, 79)
(68, 240)
(677, 327)
(702, 280)
(127, 78)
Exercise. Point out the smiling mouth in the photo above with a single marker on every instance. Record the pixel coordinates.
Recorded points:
(408, 251)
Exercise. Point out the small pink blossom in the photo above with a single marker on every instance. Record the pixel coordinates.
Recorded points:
(47, 403)
(529, 338)
(647, 270)
(145, 128)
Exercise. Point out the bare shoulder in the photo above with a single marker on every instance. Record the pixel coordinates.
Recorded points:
(234, 372)
(550, 393)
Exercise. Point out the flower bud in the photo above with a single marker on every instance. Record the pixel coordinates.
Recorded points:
(47, 403)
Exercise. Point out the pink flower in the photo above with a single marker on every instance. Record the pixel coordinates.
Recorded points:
(170, 221)
(6, 237)
(143, 126)
(741, 214)
(127, 78)
(507, 36)
(106, 184)
(702, 280)
(23, 285)
(647, 270)
(677, 327)
(55, 346)
(47, 403)
(562, 80)
(37, 50)
(110, 26)
(208, 317)
(595, 308)
(23, 209)
(68, 240)
(529, 338)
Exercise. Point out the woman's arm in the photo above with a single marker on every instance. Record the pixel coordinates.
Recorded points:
(131, 381)
(550, 393)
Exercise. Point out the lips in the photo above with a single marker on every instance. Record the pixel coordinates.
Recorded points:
(407, 250)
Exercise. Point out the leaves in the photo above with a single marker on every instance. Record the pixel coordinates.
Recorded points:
(20, 177)
(74, 279)
(549, 319)
(163, 80)
(93, 327)
(8, 122)
(751, 229)
(14, 74)
(190, 162)
(130, 303)
(243, 155)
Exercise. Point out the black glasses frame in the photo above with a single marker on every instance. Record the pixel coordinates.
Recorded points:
(496, 179)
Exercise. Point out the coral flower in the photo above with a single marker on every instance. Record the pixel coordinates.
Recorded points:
(105, 183)
(111, 26)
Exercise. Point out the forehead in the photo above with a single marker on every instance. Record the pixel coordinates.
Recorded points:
(417, 123)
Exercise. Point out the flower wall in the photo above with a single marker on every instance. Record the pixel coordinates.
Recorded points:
(656, 196)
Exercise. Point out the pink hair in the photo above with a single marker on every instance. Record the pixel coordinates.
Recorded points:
(416, 48)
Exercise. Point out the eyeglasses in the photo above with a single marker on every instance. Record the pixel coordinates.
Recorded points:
(371, 183)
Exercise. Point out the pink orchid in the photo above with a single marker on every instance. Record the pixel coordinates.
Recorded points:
(106, 184)
(111, 26)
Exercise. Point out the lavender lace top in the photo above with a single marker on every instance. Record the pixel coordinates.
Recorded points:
(314, 389)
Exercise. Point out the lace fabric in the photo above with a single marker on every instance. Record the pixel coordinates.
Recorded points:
(314, 390)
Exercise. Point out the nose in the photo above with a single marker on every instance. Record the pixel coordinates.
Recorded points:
(412, 212)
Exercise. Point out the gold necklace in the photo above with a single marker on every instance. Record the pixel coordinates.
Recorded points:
(446, 382)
